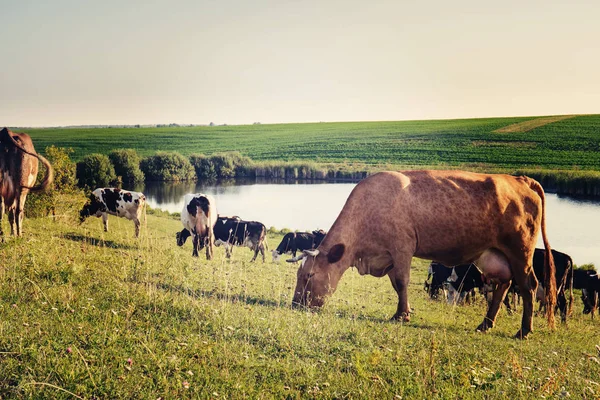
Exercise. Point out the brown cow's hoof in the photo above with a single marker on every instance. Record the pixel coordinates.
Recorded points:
(404, 317)
(486, 325)
(521, 335)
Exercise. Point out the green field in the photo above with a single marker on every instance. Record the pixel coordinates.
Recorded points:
(569, 144)
(88, 314)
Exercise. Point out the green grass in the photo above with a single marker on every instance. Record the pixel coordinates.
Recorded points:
(570, 144)
(77, 303)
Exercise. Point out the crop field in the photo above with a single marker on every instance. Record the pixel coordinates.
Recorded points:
(553, 143)
(88, 314)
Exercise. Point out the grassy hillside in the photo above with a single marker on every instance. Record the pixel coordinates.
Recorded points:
(568, 144)
(88, 314)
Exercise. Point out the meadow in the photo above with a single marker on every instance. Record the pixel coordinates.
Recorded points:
(89, 314)
(503, 144)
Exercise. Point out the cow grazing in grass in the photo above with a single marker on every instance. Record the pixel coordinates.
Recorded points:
(294, 241)
(236, 232)
(462, 283)
(198, 217)
(118, 202)
(564, 279)
(392, 216)
(18, 173)
(437, 277)
(589, 283)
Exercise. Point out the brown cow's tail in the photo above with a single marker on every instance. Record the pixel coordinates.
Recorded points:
(549, 268)
(570, 283)
(264, 238)
(48, 178)
(145, 207)
(5, 136)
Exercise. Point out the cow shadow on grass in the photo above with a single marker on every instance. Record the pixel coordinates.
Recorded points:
(230, 298)
(76, 237)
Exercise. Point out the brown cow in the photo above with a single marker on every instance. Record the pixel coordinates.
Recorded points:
(18, 173)
(392, 216)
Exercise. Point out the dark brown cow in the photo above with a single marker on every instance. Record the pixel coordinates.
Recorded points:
(392, 216)
(18, 173)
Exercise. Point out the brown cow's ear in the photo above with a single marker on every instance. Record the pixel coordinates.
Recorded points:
(336, 253)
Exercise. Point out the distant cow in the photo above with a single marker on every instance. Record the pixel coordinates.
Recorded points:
(118, 202)
(589, 283)
(456, 283)
(18, 173)
(439, 274)
(236, 232)
(198, 217)
(564, 279)
(294, 241)
(463, 281)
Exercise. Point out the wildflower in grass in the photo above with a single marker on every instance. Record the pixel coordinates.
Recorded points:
(186, 384)
(69, 350)
(129, 361)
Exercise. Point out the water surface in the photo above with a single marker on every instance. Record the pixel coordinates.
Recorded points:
(573, 225)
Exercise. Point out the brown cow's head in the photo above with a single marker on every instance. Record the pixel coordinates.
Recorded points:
(318, 276)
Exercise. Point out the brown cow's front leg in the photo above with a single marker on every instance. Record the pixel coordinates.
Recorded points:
(497, 298)
(1, 218)
(400, 277)
(12, 222)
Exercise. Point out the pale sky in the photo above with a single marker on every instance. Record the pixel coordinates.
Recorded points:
(71, 62)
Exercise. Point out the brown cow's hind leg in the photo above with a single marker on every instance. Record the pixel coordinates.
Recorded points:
(527, 283)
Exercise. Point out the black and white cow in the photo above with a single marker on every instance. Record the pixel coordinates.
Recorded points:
(463, 281)
(439, 274)
(198, 217)
(458, 282)
(233, 231)
(122, 203)
(564, 279)
(293, 242)
(589, 283)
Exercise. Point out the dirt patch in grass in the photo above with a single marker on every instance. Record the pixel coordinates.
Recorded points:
(526, 126)
(495, 143)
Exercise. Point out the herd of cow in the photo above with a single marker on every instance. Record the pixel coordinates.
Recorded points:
(389, 217)
(459, 283)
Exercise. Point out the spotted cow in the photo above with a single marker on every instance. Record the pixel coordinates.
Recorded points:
(294, 241)
(113, 201)
(198, 217)
(233, 231)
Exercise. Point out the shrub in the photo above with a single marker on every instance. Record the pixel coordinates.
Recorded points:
(231, 165)
(167, 166)
(96, 170)
(205, 169)
(63, 197)
(223, 166)
(127, 165)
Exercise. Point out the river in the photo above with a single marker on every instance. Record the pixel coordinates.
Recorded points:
(573, 224)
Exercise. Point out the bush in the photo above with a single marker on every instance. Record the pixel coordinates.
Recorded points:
(223, 166)
(167, 166)
(62, 198)
(96, 170)
(127, 165)
(205, 169)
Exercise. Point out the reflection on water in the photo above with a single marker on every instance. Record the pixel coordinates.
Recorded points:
(572, 223)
